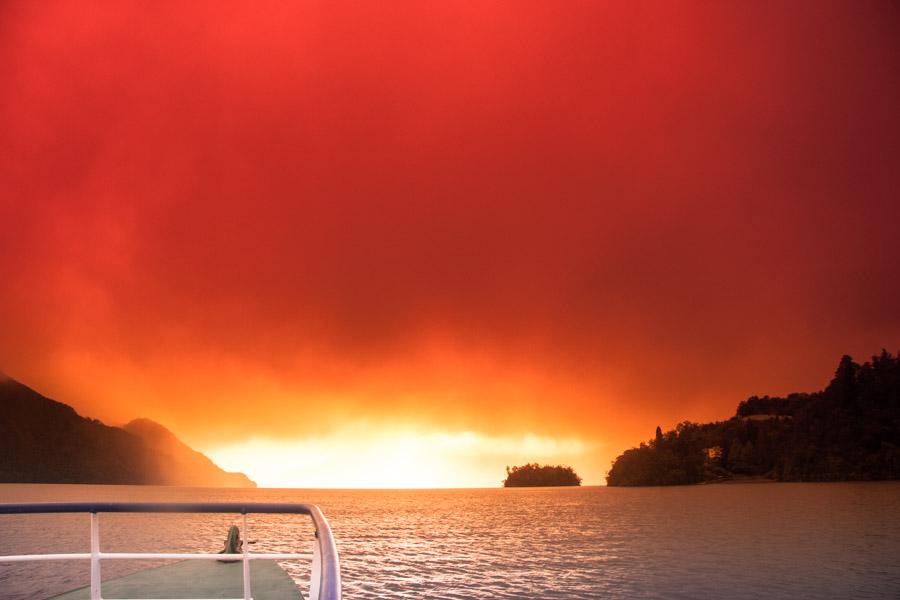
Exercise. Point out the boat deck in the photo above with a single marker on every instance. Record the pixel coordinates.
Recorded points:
(198, 579)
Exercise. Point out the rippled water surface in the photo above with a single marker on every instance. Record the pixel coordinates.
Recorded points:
(759, 540)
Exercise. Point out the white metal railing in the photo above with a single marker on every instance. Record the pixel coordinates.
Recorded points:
(325, 579)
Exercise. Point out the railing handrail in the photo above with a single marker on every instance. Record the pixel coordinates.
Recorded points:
(325, 583)
(242, 508)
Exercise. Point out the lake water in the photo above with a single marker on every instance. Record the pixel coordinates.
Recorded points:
(761, 540)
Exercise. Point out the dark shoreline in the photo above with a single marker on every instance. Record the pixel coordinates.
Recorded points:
(849, 431)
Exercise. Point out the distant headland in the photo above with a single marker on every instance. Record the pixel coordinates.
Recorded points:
(534, 475)
(44, 441)
(848, 431)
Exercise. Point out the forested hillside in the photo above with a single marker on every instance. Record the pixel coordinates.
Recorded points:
(848, 431)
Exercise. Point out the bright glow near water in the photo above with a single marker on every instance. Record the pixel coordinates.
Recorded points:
(762, 540)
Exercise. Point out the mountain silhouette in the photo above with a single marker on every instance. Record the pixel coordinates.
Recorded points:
(45, 441)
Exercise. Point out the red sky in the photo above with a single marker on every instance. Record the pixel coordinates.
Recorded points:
(570, 221)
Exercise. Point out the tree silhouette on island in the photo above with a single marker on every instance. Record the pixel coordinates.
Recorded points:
(848, 431)
(535, 475)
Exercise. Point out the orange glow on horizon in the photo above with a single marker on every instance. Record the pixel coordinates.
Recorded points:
(366, 457)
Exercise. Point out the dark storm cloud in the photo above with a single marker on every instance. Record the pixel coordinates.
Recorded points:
(658, 210)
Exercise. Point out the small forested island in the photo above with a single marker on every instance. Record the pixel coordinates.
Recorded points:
(535, 475)
(848, 431)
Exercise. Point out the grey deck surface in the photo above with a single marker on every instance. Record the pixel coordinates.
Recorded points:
(198, 579)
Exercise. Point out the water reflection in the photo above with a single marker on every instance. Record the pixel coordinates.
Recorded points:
(732, 541)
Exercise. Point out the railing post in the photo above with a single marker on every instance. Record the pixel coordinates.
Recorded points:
(245, 546)
(95, 556)
(315, 576)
